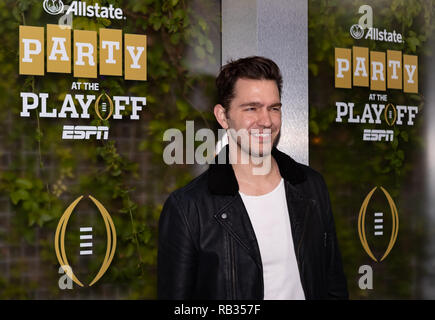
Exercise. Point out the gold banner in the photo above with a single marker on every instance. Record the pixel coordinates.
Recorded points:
(31, 50)
(111, 52)
(394, 69)
(135, 57)
(343, 68)
(85, 54)
(58, 48)
(410, 74)
(377, 71)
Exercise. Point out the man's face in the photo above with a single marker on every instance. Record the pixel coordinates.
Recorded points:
(255, 115)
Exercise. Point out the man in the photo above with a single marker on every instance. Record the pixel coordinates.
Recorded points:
(239, 232)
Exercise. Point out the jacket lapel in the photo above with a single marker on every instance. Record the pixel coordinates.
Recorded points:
(234, 218)
(223, 181)
(233, 215)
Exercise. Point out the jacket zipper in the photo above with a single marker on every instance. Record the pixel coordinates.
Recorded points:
(301, 270)
(233, 269)
(303, 231)
(325, 235)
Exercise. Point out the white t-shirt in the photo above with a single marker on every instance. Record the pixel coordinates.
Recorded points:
(271, 222)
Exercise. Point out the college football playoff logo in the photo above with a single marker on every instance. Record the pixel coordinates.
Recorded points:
(59, 242)
(378, 224)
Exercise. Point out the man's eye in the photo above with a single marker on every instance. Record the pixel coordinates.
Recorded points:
(251, 109)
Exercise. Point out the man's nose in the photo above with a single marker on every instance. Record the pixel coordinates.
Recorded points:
(264, 118)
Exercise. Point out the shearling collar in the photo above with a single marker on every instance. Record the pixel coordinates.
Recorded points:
(222, 180)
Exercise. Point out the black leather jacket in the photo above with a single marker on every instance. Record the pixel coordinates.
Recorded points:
(208, 248)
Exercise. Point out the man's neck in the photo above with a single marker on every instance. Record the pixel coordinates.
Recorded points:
(256, 177)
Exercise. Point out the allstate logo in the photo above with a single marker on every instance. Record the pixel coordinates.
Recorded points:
(356, 31)
(53, 7)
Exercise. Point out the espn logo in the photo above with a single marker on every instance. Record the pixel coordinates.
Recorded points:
(85, 132)
(378, 135)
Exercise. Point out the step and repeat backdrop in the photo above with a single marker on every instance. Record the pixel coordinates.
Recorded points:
(370, 101)
(89, 88)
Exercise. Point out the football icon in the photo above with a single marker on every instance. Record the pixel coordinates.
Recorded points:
(86, 241)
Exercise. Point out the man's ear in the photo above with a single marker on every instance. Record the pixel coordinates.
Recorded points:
(221, 115)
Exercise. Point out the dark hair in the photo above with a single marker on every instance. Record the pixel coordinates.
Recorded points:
(257, 68)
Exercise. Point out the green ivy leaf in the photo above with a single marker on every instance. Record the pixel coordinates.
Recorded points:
(18, 195)
(184, 108)
(157, 24)
(200, 52)
(413, 42)
(202, 24)
(314, 128)
(175, 38)
(24, 183)
(209, 46)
